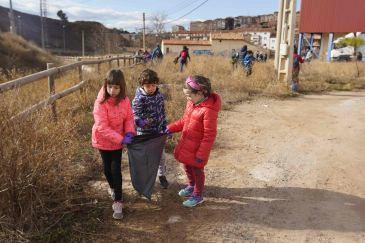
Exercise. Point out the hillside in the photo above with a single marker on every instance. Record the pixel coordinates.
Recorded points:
(20, 55)
(98, 38)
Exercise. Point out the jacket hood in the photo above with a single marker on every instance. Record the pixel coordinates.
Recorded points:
(213, 102)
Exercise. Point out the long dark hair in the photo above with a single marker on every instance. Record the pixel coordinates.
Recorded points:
(115, 77)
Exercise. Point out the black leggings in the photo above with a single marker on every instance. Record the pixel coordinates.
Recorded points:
(112, 170)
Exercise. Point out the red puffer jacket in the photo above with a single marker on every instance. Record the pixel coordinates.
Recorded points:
(199, 129)
(111, 123)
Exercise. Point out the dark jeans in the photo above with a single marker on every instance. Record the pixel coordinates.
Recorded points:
(112, 170)
(182, 63)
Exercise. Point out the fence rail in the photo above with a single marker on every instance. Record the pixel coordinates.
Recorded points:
(50, 74)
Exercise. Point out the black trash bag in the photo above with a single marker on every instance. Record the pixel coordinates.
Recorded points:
(144, 155)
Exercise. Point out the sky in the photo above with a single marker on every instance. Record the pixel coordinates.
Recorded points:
(127, 14)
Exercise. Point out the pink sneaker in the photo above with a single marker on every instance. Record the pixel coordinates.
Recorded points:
(118, 210)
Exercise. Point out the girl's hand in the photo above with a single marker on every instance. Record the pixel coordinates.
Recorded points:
(128, 138)
(141, 123)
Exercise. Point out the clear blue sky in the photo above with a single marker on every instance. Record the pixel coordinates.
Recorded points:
(127, 14)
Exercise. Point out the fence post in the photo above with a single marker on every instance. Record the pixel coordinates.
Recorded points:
(52, 91)
(129, 61)
(124, 60)
(110, 64)
(80, 74)
(99, 66)
(118, 61)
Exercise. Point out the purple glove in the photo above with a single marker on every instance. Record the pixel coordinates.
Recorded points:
(128, 138)
(198, 160)
(167, 132)
(140, 123)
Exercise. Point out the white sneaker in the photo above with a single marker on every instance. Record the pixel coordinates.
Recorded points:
(111, 193)
(118, 210)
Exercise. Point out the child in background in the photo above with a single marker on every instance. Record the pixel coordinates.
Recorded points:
(198, 129)
(297, 60)
(149, 113)
(248, 63)
(183, 58)
(112, 129)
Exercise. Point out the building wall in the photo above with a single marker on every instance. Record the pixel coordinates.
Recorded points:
(337, 16)
(218, 47)
(176, 49)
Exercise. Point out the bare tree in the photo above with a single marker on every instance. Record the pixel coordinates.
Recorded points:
(158, 22)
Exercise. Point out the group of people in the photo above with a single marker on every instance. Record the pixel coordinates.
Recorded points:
(155, 55)
(245, 58)
(118, 122)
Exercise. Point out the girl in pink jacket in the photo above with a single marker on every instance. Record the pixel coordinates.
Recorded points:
(198, 129)
(113, 127)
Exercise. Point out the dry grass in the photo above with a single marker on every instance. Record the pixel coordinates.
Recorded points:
(322, 76)
(45, 164)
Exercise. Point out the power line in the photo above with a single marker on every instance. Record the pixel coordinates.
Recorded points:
(187, 12)
(182, 6)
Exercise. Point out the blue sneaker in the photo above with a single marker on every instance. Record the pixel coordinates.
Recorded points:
(193, 201)
(186, 192)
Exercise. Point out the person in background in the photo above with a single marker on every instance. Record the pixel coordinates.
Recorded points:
(359, 56)
(183, 58)
(242, 53)
(112, 129)
(157, 54)
(234, 59)
(198, 128)
(248, 63)
(297, 60)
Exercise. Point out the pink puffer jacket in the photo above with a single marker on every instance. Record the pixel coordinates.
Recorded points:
(198, 129)
(112, 122)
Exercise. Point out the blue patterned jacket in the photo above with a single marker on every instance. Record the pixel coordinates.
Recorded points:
(150, 108)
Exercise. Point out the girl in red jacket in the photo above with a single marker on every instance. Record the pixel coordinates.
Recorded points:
(198, 129)
(113, 127)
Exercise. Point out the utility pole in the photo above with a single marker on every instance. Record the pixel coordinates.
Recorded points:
(11, 18)
(43, 9)
(64, 37)
(19, 25)
(83, 42)
(144, 32)
(285, 40)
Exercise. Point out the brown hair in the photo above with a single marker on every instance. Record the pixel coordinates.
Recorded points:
(115, 77)
(148, 76)
(203, 82)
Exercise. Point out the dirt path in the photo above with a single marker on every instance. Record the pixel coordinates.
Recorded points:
(281, 171)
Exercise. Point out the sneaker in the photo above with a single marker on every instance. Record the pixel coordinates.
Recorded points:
(186, 192)
(193, 201)
(118, 210)
(163, 182)
(111, 193)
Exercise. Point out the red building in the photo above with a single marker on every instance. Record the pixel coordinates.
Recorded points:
(330, 19)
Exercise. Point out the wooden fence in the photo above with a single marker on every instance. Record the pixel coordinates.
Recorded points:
(50, 74)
